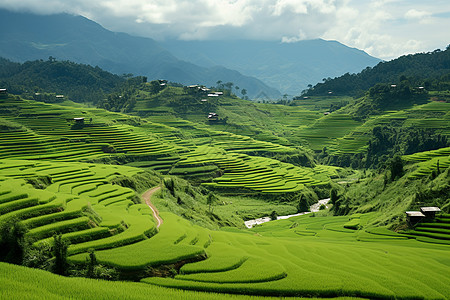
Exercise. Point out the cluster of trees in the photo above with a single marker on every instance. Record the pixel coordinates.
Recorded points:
(227, 87)
(388, 141)
(124, 99)
(430, 70)
(79, 82)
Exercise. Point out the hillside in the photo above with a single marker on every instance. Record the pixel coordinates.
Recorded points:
(78, 39)
(81, 83)
(429, 70)
(289, 67)
(72, 178)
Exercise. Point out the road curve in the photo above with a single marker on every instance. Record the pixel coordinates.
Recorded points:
(146, 196)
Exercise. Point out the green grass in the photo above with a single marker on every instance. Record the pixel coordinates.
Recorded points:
(23, 283)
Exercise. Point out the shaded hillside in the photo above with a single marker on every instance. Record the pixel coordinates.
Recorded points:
(289, 67)
(77, 81)
(430, 70)
(75, 38)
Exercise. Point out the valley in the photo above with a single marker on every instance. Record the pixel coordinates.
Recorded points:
(132, 187)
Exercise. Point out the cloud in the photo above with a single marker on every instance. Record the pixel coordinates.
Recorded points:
(416, 14)
(384, 28)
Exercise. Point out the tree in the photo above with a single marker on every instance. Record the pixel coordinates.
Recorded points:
(210, 200)
(12, 241)
(334, 196)
(273, 215)
(302, 204)
(244, 93)
(60, 253)
(228, 86)
(91, 262)
(396, 167)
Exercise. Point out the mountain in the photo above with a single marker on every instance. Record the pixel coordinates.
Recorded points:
(429, 70)
(289, 67)
(67, 37)
(79, 82)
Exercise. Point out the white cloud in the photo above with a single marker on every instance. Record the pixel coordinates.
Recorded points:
(384, 28)
(416, 14)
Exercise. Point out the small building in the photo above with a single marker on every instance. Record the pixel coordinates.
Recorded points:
(414, 217)
(393, 85)
(218, 93)
(326, 113)
(204, 100)
(3, 93)
(430, 212)
(213, 116)
(79, 120)
(213, 95)
(59, 97)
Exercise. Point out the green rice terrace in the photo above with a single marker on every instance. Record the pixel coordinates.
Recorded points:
(152, 204)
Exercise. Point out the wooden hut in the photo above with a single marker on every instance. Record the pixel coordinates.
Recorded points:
(430, 212)
(414, 217)
(3, 93)
(79, 120)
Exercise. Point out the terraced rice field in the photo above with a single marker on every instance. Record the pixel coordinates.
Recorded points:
(428, 161)
(326, 130)
(80, 203)
(433, 231)
(307, 256)
(177, 147)
(301, 256)
(433, 115)
(24, 283)
(50, 133)
(259, 174)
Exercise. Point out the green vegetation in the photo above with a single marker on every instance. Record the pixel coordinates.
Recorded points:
(71, 177)
(44, 80)
(429, 70)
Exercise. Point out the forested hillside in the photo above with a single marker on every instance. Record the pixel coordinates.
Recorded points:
(429, 70)
(80, 83)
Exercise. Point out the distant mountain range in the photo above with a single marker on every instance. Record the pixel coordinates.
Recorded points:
(289, 67)
(66, 37)
(270, 68)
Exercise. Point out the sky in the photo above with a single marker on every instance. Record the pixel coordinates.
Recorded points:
(383, 28)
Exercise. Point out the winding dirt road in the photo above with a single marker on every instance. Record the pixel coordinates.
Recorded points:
(146, 196)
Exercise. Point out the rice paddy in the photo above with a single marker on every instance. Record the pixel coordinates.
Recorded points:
(48, 186)
(307, 256)
(62, 207)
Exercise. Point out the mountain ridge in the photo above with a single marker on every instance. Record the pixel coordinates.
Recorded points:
(289, 67)
(78, 39)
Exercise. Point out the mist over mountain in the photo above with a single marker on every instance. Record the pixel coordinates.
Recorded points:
(289, 67)
(76, 38)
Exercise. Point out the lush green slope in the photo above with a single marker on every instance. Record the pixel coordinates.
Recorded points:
(318, 256)
(81, 83)
(430, 70)
(23, 283)
(54, 190)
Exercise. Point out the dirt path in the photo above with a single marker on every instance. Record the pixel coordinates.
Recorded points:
(146, 196)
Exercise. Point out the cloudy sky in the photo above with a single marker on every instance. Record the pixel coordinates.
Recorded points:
(383, 28)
